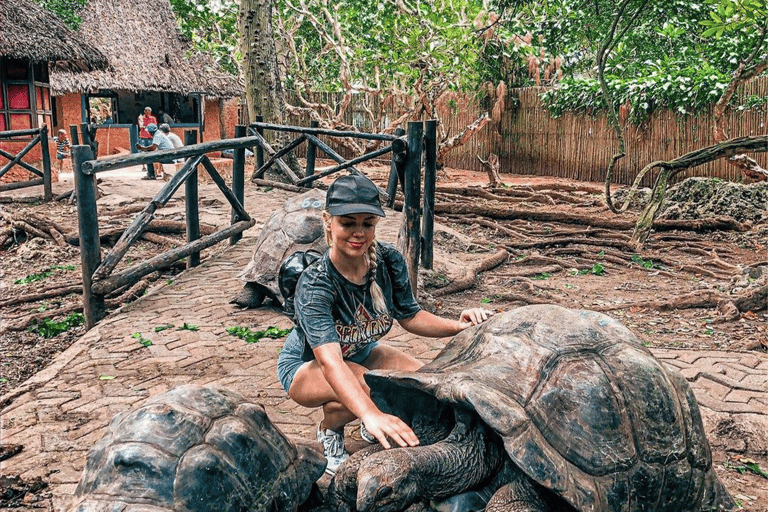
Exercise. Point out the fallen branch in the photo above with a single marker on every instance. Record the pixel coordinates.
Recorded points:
(60, 291)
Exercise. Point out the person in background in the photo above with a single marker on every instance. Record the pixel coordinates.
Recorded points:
(175, 139)
(159, 142)
(92, 127)
(62, 147)
(164, 117)
(145, 138)
(345, 302)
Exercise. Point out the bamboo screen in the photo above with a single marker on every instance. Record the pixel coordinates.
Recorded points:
(529, 141)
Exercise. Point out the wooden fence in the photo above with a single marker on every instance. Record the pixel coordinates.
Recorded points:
(529, 141)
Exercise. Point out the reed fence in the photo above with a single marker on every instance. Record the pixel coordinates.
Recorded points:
(529, 141)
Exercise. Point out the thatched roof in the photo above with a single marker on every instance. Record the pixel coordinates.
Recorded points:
(27, 31)
(146, 53)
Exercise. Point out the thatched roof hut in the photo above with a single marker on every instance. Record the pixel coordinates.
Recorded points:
(146, 52)
(33, 33)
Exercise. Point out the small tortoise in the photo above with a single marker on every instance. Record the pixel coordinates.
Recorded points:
(196, 448)
(297, 226)
(547, 408)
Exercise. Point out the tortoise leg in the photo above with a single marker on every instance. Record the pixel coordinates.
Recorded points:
(392, 479)
(519, 495)
(251, 296)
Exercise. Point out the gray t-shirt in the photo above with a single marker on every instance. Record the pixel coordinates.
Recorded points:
(330, 309)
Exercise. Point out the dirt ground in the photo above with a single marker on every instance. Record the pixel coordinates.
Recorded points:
(534, 240)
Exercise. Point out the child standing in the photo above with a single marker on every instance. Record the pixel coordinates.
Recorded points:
(62, 147)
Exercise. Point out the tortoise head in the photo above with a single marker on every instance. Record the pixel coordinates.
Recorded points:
(386, 481)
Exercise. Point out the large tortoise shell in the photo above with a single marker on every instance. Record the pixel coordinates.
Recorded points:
(297, 226)
(196, 448)
(581, 406)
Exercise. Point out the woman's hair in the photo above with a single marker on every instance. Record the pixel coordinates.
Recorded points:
(377, 294)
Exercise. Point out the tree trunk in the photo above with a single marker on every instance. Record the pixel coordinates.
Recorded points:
(263, 89)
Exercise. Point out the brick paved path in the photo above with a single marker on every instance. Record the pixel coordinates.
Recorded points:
(62, 411)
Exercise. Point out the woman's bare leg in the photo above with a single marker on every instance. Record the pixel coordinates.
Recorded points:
(311, 389)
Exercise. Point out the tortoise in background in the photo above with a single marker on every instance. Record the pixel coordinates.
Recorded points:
(551, 409)
(196, 448)
(296, 227)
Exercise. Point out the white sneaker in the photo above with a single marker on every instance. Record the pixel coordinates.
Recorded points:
(333, 449)
(366, 436)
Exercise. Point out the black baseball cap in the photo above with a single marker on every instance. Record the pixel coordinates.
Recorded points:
(353, 194)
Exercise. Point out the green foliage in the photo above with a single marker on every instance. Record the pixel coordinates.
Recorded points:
(66, 10)
(597, 269)
(48, 272)
(661, 61)
(647, 264)
(542, 276)
(747, 465)
(189, 327)
(142, 340)
(245, 333)
(161, 328)
(211, 26)
(48, 328)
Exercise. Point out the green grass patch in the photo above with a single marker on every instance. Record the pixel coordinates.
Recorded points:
(245, 333)
(48, 328)
(44, 274)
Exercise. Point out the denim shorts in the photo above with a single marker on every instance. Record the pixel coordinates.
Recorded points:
(289, 361)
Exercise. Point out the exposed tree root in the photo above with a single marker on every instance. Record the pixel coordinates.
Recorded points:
(468, 280)
(752, 300)
(59, 291)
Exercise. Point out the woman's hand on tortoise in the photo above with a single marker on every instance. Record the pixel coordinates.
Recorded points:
(386, 427)
(474, 316)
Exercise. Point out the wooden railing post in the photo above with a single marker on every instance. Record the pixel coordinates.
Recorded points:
(47, 187)
(430, 175)
(259, 149)
(88, 224)
(191, 201)
(238, 180)
(396, 171)
(409, 241)
(133, 136)
(74, 138)
(311, 154)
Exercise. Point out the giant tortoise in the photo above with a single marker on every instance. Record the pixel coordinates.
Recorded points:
(196, 448)
(552, 409)
(296, 227)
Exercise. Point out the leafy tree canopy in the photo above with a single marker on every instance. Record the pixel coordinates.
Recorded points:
(66, 10)
(675, 54)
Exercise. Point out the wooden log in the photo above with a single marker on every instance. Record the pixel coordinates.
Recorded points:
(322, 131)
(409, 239)
(20, 155)
(12, 134)
(59, 291)
(284, 168)
(283, 151)
(237, 206)
(167, 258)
(398, 157)
(349, 164)
(238, 182)
(311, 152)
(10, 156)
(120, 161)
(428, 208)
(20, 184)
(192, 203)
(277, 184)
(88, 226)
